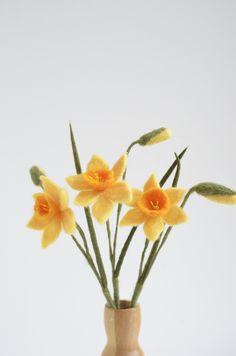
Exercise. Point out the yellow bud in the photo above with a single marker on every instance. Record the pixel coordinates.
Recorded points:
(35, 173)
(155, 136)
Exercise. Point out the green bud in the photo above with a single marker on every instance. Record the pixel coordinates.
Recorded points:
(35, 173)
(216, 192)
(155, 136)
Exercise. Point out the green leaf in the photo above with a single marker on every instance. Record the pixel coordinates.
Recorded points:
(172, 167)
(75, 152)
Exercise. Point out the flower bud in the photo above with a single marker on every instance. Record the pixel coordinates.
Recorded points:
(35, 173)
(155, 136)
(216, 192)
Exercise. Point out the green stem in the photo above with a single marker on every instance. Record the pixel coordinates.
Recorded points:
(115, 282)
(115, 279)
(191, 191)
(88, 215)
(136, 294)
(82, 234)
(124, 251)
(89, 259)
(143, 256)
(95, 246)
(109, 240)
(140, 281)
(115, 235)
(131, 145)
(157, 246)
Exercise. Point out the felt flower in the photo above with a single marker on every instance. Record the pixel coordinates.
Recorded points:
(101, 186)
(154, 207)
(51, 212)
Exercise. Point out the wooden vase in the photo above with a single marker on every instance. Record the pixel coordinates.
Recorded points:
(122, 328)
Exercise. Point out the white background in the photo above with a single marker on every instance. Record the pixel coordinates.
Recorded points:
(117, 69)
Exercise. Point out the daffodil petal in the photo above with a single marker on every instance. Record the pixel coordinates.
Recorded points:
(102, 209)
(63, 199)
(68, 221)
(96, 163)
(51, 232)
(86, 197)
(153, 228)
(78, 182)
(151, 183)
(120, 192)
(175, 215)
(119, 167)
(39, 223)
(51, 188)
(175, 195)
(133, 217)
(136, 195)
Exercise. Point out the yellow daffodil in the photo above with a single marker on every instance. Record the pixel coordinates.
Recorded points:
(102, 186)
(154, 207)
(51, 212)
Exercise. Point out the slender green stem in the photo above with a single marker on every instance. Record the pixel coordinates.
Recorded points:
(95, 246)
(131, 145)
(115, 278)
(109, 241)
(93, 267)
(143, 256)
(155, 253)
(163, 240)
(115, 282)
(116, 234)
(149, 263)
(157, 246)
(124, 251)
(140, 281)
(92, 232)
(82, 234)
(120, 207)
(88, 258)
(190, 192)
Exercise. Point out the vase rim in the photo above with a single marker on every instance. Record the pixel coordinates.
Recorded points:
(126, 307)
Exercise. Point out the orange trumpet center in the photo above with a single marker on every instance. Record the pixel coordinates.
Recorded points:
(155, 202)
(41, 206)
(99, 179)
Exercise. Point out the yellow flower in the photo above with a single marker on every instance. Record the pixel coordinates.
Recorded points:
(51, 212)
(102, 186)
(154, 207)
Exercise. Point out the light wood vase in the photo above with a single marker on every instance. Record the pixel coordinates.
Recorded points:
(122, 328)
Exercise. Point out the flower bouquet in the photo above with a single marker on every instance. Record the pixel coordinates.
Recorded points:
(154, 207)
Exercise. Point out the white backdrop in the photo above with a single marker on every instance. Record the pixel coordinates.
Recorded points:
(117, 69)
